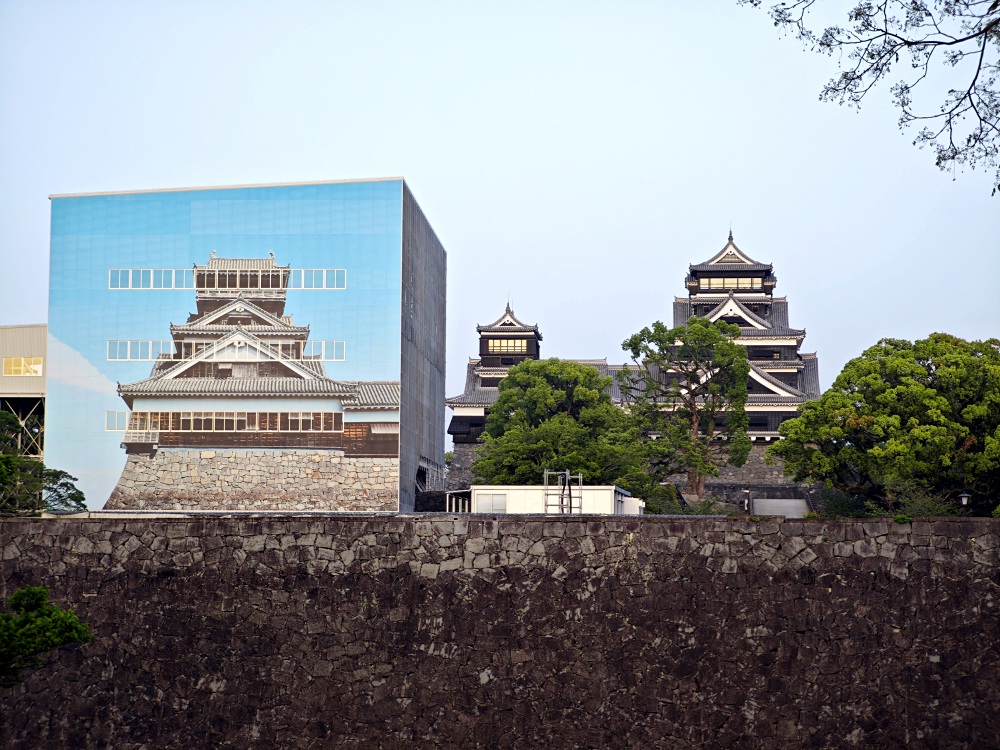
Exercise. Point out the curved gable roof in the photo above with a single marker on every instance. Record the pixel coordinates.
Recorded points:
(508, 323)
(731, 258)
(733, 305)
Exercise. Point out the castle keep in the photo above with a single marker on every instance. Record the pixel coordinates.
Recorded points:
(733, 287)
(729, 286)
(242, 375)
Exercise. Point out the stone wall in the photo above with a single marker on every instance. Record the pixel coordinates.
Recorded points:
(511, 632)
(261, 479)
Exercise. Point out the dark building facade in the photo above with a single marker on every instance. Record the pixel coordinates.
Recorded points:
(502, 344)
(733, 287)
(239, 348)
(729, 286)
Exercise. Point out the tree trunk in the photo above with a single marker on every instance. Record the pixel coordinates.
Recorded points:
(695, 483)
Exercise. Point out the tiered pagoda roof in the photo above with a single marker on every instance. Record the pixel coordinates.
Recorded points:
(224, 279)
(731, 258)
(729, 286)
(245, 346)
(736, 288)
(508, 323)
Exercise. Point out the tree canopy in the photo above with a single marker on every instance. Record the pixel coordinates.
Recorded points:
(35, 628)
(27, 487)
(905, 417)
(688, 399)
(949, 52)
(555, 414)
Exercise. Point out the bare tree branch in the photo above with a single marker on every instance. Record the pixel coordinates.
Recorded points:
(963, 129)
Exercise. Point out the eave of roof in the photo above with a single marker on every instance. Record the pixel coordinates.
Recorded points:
(766, 399)
(514, 326)
(241, 264)
(375, 394)
(778, 364)
(485, 397)
(355, 395)
(731, 267)
(285, 331)
(771, 333)
(236, 387)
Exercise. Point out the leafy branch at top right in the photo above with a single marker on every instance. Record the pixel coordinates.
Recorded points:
(926, 39)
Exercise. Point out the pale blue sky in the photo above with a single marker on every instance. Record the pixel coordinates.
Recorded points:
(574, 155)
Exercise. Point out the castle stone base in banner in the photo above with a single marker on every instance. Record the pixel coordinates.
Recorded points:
(242, 479)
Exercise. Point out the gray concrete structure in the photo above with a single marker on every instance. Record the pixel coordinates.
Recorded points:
(422, 369)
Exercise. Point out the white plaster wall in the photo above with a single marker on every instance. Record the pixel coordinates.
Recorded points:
(531, 499)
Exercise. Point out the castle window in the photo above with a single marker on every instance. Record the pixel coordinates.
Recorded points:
(185, 278)
(115, 421)
(18, 366)
(733, 282)
(508, 346)
(224, 421)
(151, 278)
(318, 278)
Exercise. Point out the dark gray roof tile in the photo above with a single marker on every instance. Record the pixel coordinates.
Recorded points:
(355, 395)
(241, 264)
(810, 375)
(747, 312)
(732, 267)
(773, 332)
(771, 380)
(682, 311)
(508, 323)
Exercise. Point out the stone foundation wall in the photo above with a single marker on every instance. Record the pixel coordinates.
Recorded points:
(755, 471)
(262, 479)
(764, 479)
(460, 471)
(510, 632)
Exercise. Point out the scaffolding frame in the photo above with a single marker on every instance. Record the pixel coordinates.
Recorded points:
(30, 414)
(559, 492)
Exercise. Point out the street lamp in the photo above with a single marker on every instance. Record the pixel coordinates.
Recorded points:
(964, 497)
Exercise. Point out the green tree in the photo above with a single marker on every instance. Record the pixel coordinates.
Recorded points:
(27, 487)
(687, 399)
(905, 420)
(10, 427)
(956, 42)
(35, 628)
(555, 414)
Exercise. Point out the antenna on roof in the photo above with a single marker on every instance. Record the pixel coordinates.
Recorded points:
(730, 231)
